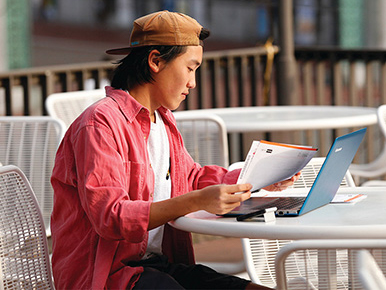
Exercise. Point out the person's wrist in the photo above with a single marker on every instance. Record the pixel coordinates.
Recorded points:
(193, 202)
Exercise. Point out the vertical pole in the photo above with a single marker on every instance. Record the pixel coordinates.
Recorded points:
(18, 33)
(286, 64)
(3, 37)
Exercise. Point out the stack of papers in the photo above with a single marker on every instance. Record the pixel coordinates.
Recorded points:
(269, 162)
(348, 198)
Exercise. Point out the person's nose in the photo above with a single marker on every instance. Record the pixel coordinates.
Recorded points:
(192, 82)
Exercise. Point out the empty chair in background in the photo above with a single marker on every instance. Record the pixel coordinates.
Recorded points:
(377, 167)
(67, 106)
(30, 143)
(205, 138)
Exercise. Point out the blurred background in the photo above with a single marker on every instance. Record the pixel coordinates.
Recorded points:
(50, 32)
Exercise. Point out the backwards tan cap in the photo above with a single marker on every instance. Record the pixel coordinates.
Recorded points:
(162, 28)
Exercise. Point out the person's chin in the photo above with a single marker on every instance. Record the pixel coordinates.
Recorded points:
(175, 105)
(173, 108)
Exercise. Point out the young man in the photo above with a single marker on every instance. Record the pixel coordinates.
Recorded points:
(122, 172)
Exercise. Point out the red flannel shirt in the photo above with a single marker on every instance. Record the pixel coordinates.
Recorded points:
(104, 184)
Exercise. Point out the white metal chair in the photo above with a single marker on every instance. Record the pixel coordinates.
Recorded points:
(259, 255)
(205, 138)
(377, 167)
(370, 272)
(30, 142)
(24, 260)
(68, 106)
(325, 264)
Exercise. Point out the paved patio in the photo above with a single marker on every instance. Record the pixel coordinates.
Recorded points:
(221, 253)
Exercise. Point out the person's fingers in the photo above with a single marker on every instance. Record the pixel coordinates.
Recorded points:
(230, 200)
(233, 188)
(279, 186)
(236, 199)
(227, 207)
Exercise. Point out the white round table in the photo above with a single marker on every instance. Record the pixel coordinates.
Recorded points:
(285, 118)
(365, 219)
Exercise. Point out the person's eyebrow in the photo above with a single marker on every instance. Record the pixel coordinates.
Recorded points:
(196, 62)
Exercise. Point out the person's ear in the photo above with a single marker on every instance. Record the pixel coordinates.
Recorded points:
(154, 61)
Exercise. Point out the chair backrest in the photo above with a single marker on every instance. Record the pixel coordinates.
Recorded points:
(24, 260)
(205, 138)
(376, 168)
(311, 170)
(325, 264)
(68, 106)
(381, 114)
(31, 143)
(259, 255)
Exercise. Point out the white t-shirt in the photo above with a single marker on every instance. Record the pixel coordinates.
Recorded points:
(158, 148)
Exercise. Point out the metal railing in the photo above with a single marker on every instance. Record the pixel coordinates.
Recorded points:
(341, 76)
(347, 77)
(23, 92)
(225, 78)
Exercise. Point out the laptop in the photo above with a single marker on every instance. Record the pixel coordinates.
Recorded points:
(324, 188)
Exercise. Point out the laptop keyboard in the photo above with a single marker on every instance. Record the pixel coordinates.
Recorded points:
(288, 202)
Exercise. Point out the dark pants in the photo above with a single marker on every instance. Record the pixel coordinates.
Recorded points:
(160, 274)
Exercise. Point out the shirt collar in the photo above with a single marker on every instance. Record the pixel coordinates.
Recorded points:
(127, 104)
(130, 107)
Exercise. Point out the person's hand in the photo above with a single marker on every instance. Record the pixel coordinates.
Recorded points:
(282, 185)
(217, 199)
(220, 199)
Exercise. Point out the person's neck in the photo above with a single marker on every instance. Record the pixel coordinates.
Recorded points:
(143, 96)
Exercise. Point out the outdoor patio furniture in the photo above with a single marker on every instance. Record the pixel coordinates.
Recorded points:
(370, 272)
(259, 254)
(204, 137)
(377, 167)
(68, 106)
(24, 260)
(326, 264)
(30, 142)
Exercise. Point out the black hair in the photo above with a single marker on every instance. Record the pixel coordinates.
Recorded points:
(134, 70)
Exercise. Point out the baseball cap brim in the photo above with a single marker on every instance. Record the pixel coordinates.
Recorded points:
(119, 51)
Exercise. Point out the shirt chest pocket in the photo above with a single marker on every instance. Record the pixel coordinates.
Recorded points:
(136, 180)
